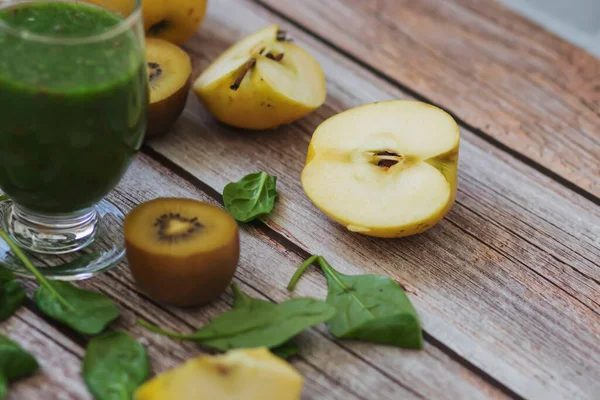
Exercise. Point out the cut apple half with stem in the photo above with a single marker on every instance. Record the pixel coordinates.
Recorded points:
(261, 82)
(386, 169)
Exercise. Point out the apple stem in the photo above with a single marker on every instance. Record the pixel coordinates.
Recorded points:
(278, 57)
(247, 67)
(282, 36)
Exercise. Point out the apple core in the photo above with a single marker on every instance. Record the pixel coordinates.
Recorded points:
(386, 169)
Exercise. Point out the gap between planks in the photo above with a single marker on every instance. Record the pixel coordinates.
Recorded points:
(80, 341)
(304, 254)
(418, 96)
(192, 147)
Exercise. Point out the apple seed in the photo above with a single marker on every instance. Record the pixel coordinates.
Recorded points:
(158, 28)
(278, 57)
(387, 159)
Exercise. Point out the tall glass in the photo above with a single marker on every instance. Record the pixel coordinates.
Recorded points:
(73, 102)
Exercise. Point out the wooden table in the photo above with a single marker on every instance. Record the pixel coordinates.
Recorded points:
(507, 285)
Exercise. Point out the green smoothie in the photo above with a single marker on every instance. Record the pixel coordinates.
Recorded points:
(72, 115)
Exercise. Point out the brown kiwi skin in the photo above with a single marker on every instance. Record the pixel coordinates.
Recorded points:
(163, 114)
(191, 281)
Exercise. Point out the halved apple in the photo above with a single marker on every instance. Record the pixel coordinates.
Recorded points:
(386, 169)
(262, 82)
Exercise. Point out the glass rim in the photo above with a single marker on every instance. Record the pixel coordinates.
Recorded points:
(110, 33)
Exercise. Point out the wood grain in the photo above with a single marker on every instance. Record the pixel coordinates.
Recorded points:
(332, 370)
(496, 71)
(58, 356)
(366, 371)
(508, 281)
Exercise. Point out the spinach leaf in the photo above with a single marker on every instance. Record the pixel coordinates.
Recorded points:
(254, 195)
(85, 311)
(115, 365)
(12, 294)
(256, 323)
(243, 301)
(286, 350)
(15, 363)
(369, 307)
(76, 264)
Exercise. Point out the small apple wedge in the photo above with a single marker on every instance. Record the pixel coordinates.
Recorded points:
(386, 169)
(262, 82)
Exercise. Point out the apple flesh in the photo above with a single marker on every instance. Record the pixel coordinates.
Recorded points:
(386, 169)
(262, 82)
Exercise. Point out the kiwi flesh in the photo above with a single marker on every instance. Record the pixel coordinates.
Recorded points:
(169, 77)
(181, 251)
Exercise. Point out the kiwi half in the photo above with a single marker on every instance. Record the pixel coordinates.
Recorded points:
(181, 251)
(169, 77)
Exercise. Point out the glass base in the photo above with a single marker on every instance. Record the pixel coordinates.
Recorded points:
(68, 247)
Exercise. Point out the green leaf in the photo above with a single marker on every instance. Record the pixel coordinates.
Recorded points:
(15, 363)
(3, 386)
(115, 365)
(243, 301)
(85, 311)
(257, 323)
(369, 307)
(286, 350)
(12, 294)
(254, 195)
(77, 263)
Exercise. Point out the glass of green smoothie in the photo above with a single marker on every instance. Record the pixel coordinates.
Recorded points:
(73, 103)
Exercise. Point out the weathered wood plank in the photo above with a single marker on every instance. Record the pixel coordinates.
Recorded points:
(59, 359)
(366, 371)
(498, 72)
(332, 370)
(482, 298)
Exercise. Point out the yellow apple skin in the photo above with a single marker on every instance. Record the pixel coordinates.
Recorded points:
(243, 374)
(173, 20)
(257, 104)
(121, 7)
(446, 163)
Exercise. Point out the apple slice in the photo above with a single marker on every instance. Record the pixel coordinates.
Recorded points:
(262, 82)
(386, 169)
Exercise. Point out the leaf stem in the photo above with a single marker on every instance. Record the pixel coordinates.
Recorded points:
(40, 277)
(330, 272)
(301, 270)
(239, 297)
(161, 331)
(123, 390)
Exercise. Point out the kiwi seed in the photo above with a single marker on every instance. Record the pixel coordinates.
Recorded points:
(155, 71)
(163, 224)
